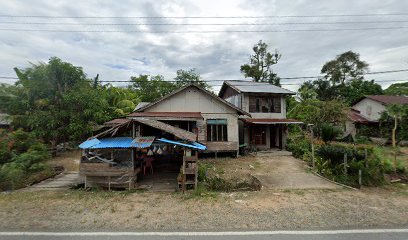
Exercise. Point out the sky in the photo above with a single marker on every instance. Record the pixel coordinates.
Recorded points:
(131, 49)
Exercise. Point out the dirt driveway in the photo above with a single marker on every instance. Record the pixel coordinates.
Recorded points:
(280, 170)
(275, 170)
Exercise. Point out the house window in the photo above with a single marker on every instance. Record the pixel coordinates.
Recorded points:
(217, 130)
(265, 104)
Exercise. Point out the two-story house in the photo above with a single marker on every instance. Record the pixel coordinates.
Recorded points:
(368, 111)
(267, 127)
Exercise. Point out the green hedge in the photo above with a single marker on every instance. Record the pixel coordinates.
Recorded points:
(329, 160)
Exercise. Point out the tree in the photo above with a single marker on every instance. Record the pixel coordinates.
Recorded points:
(187, 77)
(344, 67)
(344, 80)
(150, 88)
(318, 113)
(57, 102)
(397, 89)
(260, 64)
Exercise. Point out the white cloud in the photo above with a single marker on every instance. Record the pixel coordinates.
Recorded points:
(117, 56)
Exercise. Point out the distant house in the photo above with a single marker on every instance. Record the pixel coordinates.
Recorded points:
(267, 127)
(5, 121)
(368, 110)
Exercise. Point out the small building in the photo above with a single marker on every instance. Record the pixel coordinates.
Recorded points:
(367, 111)
(267, 125)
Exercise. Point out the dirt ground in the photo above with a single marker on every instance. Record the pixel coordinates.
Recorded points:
(69, 160)
(275, 170)
(267, 209)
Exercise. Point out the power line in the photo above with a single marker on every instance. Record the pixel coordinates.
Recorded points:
(207, 17)
(202, 24)
(200, 31)
(244, 80)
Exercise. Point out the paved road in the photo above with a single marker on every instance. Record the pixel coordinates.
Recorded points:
(370, 234)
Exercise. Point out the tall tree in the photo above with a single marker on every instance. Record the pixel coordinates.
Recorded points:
(56, 102)
(191, 76)
(150, 88)
(344, 80)
(345, 66)
(260, 64)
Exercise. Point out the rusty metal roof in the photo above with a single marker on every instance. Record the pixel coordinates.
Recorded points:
(167, 114)
(271, 121)
(385, 99)
(355, 116)
(117, 121)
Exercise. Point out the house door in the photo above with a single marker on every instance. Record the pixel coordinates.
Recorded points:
(259, 135)
(276, 136)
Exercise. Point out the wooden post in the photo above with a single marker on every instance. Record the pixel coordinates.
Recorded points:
(366, 157)
(85, 182)
(360, 173)
(345, 164)
(313, 152)
(109, 183)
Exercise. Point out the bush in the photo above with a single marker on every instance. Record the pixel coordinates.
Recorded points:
(23, 159)
(298, 145)
(330, 132)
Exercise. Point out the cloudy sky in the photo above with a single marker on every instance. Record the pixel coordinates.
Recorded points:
(130, 48)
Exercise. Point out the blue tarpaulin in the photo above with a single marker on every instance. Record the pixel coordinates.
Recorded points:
(194, 145)
(117, 142)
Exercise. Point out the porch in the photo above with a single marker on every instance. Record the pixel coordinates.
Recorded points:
(263, 134)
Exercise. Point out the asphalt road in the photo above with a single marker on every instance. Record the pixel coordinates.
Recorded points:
(358, 234)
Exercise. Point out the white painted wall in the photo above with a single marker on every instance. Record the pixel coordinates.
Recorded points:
(370, 109)
(194, 100)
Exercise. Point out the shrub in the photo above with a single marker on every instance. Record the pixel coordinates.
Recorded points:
(298, 145)
(330, 132)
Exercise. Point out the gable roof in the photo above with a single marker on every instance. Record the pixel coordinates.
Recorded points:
(167, 114)
(386, 100)
(240, 111)
(253, 87)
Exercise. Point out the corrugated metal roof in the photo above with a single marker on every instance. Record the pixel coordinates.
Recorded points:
(115, 142)
(194, 145)
(385, 99)
(167, 114)
(355, 116)
(271, 121)
(117, 121)
(256, 87)
(140, 105)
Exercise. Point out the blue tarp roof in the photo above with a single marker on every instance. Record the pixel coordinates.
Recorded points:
(115, 142)
(194, 145)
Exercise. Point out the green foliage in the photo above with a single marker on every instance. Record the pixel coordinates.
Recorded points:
(150, 88)
(56, 102)
(330, 132)
(316, 112)
(397, 89)
(343, 79)
(22, 160)
(260, 65)
(344, 66)
(387, 122)
(299, 145)
(184, 78)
